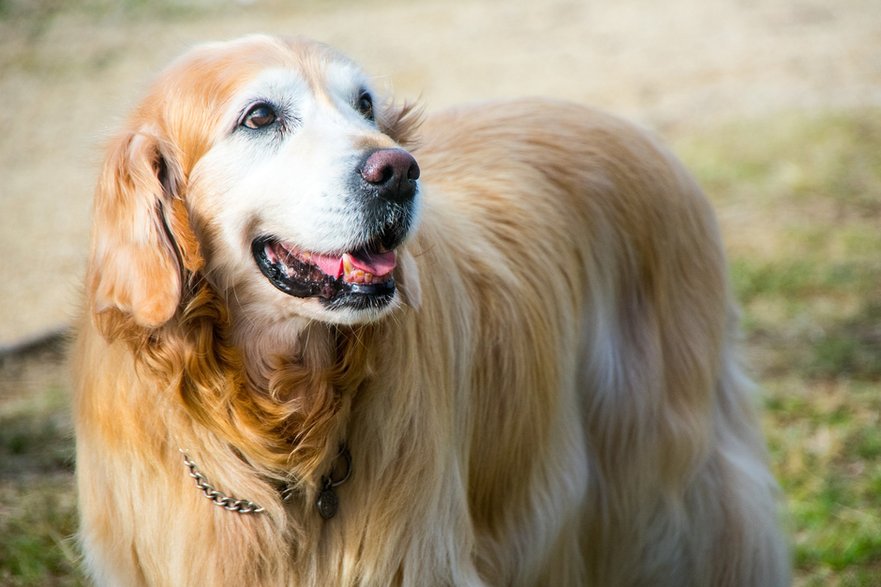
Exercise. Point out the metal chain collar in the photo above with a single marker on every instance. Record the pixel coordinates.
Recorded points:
(327, 502)
(241, 506)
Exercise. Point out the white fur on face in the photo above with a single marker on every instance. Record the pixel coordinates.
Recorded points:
(292, 181)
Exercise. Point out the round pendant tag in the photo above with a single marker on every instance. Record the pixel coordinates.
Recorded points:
(327, 503)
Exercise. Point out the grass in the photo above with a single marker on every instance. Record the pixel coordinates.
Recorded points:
(799, 198)
(37, 544)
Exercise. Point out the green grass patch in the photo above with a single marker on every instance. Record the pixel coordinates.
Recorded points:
(825, 441)
(36, 530)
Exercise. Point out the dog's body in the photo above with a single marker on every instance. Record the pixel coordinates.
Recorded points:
(546, 393)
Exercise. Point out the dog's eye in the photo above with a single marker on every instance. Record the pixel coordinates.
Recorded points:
(365, 105)
(259, 115)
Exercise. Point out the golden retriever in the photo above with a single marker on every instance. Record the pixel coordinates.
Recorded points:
(502, 357)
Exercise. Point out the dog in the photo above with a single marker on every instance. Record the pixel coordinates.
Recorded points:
(330, 340)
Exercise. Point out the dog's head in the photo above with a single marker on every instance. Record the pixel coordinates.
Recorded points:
(271, 169)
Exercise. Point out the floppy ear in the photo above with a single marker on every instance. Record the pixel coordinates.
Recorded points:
(136, 265)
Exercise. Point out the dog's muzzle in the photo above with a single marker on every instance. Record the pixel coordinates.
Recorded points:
(384, 187)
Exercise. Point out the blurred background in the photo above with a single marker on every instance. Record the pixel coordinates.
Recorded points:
(775, 105)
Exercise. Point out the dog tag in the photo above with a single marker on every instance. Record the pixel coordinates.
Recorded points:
(327, 503)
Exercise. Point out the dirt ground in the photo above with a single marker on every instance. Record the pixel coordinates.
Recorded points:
(68, 75)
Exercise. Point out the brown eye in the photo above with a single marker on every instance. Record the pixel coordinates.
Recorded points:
(365, 105)
(258, 116)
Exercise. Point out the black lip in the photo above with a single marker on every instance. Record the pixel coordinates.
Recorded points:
(334, 293)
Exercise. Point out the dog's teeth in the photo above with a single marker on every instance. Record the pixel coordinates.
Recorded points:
(360, 276)
(352, 274)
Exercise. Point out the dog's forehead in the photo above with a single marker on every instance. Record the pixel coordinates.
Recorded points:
(324, 80)
(308, 72)
(325, 68)
(260, 62)
(199, 94)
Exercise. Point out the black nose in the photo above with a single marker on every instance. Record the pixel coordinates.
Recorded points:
(390, 174)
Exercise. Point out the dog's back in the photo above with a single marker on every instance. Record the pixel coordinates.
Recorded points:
(599, 288)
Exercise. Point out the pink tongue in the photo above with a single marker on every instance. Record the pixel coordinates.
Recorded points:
(375, 263)
(332, 266)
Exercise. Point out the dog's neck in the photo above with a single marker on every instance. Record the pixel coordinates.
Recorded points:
(281, 396)
(326, 502)
(313, 371)
(295, 387)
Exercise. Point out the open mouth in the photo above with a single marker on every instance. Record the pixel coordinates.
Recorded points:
(357, 279)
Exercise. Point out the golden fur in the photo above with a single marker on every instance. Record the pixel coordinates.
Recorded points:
(555, 401)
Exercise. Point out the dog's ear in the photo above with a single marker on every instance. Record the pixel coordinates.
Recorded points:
(137, 262)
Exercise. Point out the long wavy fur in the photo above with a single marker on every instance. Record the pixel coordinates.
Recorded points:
(557, 400)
